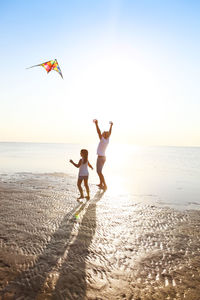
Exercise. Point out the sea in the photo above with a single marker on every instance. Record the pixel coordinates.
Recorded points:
(166, 176)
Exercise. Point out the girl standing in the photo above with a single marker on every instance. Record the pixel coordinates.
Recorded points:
(103, 143)
(83, 173)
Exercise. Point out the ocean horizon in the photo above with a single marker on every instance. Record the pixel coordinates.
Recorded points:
(166, 175)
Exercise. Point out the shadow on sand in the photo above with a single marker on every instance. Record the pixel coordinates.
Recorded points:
(72, 280)
(60, 271)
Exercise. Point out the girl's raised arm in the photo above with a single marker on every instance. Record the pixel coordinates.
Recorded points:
(97, 128)
(110, 130)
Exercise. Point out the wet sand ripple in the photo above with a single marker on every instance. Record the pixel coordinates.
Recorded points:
(52, 247)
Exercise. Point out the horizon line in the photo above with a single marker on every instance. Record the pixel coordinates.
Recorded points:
(75, 143)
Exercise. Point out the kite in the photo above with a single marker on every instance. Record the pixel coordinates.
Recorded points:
(50, 65)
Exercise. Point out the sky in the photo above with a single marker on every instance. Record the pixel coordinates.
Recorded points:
(136, 63)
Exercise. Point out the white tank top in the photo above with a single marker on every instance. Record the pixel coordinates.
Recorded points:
(102, 146)
(83, 169)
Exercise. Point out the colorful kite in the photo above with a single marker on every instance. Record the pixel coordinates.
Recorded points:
(50, 65)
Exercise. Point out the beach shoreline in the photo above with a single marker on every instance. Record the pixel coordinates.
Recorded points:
(52, 247)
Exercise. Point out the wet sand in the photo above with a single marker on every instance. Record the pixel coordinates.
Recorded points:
(52, 247)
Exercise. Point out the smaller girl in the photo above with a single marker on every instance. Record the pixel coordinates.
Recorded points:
(83, 173)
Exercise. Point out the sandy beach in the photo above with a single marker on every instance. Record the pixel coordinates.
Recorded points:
(52, 247)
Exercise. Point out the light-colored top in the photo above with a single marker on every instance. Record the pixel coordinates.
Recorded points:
(83, 169)
(102, 146)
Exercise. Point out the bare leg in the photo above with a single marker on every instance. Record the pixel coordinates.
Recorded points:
(80, 188)
(87, 188)
(100, 178)
(99, 166)
(102, 181)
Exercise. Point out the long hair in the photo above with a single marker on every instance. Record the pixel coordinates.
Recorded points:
(84, 152)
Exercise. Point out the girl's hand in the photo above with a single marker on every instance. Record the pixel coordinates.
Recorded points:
(71, 161)
(95, 121)
(111, 123)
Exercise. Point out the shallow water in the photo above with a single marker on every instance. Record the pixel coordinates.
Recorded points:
(168, 176)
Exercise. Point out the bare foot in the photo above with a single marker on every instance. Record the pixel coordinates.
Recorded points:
(81, 197)
(105, 188)
(100, 186)
(87, 198)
